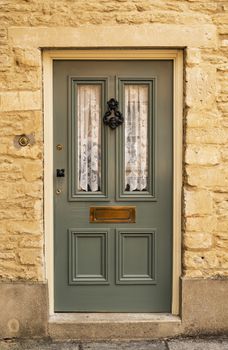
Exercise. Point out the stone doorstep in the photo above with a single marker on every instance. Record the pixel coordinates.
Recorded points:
(24, 314)
(113, 326)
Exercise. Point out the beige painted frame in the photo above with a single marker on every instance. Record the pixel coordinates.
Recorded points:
(113, 54)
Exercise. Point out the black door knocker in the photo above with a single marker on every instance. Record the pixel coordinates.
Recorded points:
(113, 117)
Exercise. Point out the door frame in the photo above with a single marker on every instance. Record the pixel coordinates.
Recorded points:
(113, 54)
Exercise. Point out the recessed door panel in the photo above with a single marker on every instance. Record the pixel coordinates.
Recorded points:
(88, 256)
(113, 189)
(135, 256)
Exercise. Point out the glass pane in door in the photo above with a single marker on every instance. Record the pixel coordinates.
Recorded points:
(136, 137)
(89, 137)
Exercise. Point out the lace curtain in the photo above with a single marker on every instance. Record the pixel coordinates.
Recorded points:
(89, 137)
(136, 137)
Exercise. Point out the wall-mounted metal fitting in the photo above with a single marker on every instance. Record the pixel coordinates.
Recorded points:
(23, 140)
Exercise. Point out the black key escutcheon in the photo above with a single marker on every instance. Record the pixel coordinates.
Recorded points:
(60, 172)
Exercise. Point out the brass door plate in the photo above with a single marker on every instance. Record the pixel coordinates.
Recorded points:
(112, 214)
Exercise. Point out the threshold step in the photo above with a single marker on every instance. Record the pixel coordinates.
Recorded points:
(113, 326)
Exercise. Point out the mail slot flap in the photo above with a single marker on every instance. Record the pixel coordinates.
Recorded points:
(112, 214)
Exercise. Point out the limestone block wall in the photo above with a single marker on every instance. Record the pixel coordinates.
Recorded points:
(205, 178)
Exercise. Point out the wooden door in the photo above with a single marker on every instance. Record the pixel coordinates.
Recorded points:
(113, 186)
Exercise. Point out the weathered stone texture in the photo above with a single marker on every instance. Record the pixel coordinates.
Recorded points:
(200, 26)
(23, 310)
(204, 306)
(200, 86)
(202, 155)
(20, 101)
(205, 238)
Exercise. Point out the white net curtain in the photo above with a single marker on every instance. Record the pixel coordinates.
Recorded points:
(89, 137)
(135, 139)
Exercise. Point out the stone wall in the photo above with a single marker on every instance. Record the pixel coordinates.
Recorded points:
(205, 205)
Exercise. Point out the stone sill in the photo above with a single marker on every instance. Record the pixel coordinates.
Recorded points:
(112, 317)
(113, 326)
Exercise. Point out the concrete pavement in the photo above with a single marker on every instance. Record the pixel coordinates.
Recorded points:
(206, 343)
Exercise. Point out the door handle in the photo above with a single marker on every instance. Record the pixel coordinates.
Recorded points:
(60, 172)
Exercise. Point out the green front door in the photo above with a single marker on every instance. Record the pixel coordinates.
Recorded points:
(113, 186)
